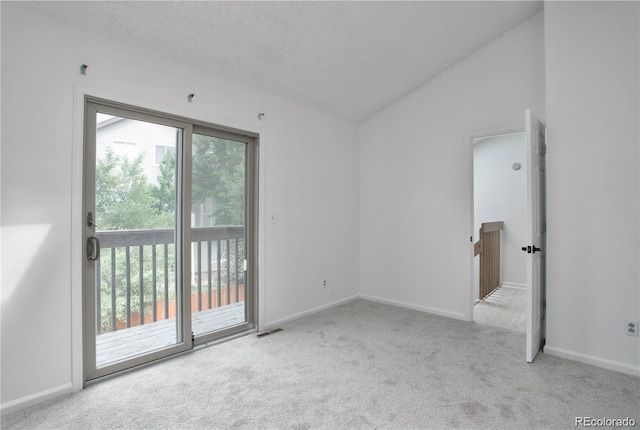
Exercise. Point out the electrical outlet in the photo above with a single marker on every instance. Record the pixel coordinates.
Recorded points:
(324, 283)
(631, 328)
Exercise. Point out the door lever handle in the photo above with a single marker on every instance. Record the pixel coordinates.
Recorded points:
(93, 248)
(531, 249)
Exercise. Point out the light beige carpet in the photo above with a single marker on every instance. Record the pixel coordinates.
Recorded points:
(504, 308)
(358, 365)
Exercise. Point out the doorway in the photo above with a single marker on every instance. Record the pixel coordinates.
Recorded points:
(170, 227)
(499, 178)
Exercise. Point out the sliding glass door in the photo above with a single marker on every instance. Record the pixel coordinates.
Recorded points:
(169, 247)
(218, 232)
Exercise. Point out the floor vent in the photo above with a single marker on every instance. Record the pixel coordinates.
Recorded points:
(265, 333)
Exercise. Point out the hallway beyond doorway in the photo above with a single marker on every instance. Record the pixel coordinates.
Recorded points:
(504, 308)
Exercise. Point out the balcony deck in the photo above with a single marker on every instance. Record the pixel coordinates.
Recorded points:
(121, 344)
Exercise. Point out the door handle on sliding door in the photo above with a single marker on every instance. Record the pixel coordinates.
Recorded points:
(93, 248)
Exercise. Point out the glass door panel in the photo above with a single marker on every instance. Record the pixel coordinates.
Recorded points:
(218, 234)
(169, 225)
(132, 232)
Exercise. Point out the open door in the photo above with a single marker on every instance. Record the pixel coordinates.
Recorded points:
(536, 225)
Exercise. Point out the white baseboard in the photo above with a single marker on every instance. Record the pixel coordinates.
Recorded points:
(594, 361)
(34, 399)
(440, 312)
(274, 324)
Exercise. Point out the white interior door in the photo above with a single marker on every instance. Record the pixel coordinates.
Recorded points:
(536, 225)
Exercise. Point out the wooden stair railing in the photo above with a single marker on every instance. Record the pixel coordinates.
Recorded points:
(488, 247)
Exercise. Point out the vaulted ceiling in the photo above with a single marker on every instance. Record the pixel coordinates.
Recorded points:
(351, 59)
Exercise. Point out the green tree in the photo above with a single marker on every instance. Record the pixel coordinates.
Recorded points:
(164, 193)
(116, 282)
(125, 200)
(219, 174)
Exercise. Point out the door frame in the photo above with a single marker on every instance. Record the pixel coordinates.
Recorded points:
(182, 235)
(251, 238)
(200, 115)
(468, 142)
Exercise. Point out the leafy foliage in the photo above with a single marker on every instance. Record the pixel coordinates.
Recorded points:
(219, 174)
(116, 282)
(127, 200)
(164, 193)
(124, 198)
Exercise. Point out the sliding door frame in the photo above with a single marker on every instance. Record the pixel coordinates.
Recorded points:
(251, 231)
(183, 233)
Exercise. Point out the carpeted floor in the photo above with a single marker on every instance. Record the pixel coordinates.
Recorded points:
(358, 365)
(505, 307)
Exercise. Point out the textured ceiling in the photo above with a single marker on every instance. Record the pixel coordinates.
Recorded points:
(351, 59)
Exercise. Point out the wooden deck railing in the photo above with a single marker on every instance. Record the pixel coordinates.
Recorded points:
(136, 281)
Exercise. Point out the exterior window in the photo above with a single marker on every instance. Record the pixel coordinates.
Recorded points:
(125, 148)
(162, 151)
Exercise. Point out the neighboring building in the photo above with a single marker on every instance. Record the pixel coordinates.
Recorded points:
(130, 137)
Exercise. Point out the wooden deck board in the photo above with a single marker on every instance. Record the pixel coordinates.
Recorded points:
(119, 345)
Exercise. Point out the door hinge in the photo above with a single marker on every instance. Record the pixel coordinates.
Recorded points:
(543, 149)
(193, 339)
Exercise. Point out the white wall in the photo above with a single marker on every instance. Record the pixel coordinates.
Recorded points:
(415, 172)
(593, 162)
(414, 177)
(500, 194)
(309, 179)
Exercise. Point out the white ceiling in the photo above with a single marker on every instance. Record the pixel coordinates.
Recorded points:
(351, 59)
